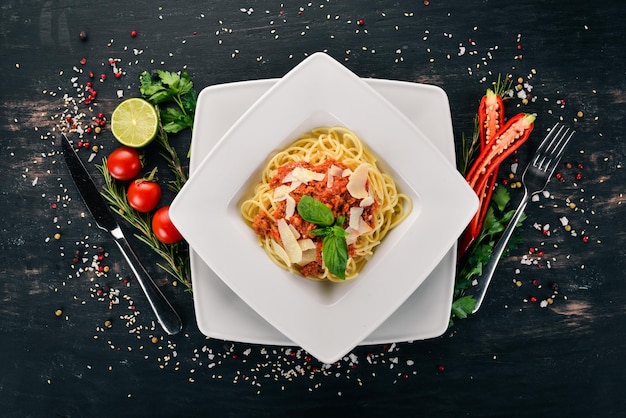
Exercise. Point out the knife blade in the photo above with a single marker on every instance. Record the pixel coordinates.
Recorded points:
(165, 313)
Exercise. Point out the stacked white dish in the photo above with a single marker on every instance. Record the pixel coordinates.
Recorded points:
(404, 292)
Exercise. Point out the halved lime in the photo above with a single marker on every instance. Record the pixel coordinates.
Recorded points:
(134, 122)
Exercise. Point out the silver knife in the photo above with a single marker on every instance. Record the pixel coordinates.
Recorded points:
(165, 313)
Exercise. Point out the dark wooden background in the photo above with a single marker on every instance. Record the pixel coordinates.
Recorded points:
(513, 358)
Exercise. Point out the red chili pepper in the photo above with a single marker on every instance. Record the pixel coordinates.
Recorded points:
(490, 121)
(507, 140)
(481, 176)
(490, 116)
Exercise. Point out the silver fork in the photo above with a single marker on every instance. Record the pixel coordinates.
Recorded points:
(536, 176)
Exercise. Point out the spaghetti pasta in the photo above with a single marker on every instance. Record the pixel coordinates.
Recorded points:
(334, 167)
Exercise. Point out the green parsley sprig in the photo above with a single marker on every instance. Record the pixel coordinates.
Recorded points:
(174, 95)
(334, 244)
(498, 216)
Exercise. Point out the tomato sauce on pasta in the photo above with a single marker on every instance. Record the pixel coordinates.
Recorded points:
(332, 166)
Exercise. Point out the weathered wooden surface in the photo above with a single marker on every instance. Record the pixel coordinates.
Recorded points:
(514, 358)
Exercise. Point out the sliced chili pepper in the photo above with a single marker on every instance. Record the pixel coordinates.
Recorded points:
(483, 172)
(490, 116)
(507, 140)
(490, 121)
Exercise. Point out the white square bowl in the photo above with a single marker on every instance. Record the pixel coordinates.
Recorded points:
(327, 320)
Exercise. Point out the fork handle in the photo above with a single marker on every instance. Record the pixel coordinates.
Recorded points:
(485, 278)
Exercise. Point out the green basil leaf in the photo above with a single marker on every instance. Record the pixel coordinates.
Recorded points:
(335, 254)
(314, 211)
(338, 231)
(320, 232)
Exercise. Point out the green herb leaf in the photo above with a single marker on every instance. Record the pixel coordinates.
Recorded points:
(334, 244)
(314, 211)
(501, 197)
(175, 120)
(463, 306)
(189, 102)
(171, 79)
(159, 97)
(338, 231)
(320, 232)
(185, 85)
(149, 86)
(171, 114)
(335, 254)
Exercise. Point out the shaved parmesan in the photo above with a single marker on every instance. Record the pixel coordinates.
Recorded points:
(303, 175)
(355, 217)
(364, 226)
(368, 201)
(290, 207)
(353, 235)
(335, 171)
(307, 244)
(289, 241)
(294, 231)
(330, 180)
(308, 257)
(281, 193)
(356, 225)
(357, 182)
(280, 252)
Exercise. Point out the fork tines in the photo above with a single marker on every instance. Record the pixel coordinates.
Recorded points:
(552, 147)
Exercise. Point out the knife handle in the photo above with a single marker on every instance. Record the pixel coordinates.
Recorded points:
(165, 313)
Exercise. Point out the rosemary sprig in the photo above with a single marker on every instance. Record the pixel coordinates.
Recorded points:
(469, 148)
(502, 86)
(176, 259)
(171, 156)
(161, 90)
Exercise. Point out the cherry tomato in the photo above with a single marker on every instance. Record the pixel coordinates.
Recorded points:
(124, 163)
(143, 195)
(163, 228)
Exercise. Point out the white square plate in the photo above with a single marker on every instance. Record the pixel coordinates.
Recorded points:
(327, 320)
(220, 313)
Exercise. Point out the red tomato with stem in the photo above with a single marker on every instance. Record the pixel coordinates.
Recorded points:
(143, 195)
(163, 228)
(124, 163)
